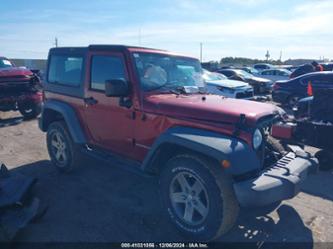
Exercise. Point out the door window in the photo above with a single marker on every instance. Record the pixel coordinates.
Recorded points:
(105, 68)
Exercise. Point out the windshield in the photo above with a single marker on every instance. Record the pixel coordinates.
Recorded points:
(160, 71)
(253, 70)
(284, 72)
(4, 63)
(209, 76)
(244, 74)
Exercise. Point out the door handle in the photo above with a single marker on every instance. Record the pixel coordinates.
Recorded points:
(90, 101)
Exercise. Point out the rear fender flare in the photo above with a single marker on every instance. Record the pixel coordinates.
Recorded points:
(69, 115)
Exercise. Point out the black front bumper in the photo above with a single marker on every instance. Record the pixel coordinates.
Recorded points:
(279, 182)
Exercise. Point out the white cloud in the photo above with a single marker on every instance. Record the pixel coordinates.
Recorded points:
(306, 33)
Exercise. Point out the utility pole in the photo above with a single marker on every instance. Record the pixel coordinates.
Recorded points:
(56, 42)
(267, 55)
(281, 55)
(200, 51)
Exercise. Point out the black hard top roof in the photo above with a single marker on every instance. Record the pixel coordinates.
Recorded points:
(98, 47)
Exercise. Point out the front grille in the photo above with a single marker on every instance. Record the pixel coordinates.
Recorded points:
(265, 128)
(15, 78)
(243, 95)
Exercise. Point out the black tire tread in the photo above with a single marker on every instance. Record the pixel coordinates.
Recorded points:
(224, 183)
(36, 110)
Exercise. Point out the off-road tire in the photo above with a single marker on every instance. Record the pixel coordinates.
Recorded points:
(223, 206)
(73, 152)
(30, 110)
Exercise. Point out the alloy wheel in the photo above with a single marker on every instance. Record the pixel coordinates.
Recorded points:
(189, 198)
(59, 148)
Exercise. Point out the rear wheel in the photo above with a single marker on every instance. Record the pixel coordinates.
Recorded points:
(30, 110)
(293, 101)
(198, 198)
(64, 153)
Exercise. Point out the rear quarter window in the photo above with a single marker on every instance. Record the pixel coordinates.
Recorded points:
(65, 70)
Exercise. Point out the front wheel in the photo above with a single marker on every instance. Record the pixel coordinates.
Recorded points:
(30, 110)
(198, 197)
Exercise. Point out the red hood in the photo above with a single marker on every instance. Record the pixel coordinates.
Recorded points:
(14, 71)
(213, 108)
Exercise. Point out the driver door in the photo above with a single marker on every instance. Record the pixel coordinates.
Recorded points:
(110, 125)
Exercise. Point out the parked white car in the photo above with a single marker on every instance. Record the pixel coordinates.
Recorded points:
(220, 85)
(263, 66)
(275, 74)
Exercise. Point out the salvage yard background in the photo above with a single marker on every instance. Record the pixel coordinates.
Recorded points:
(103, 203)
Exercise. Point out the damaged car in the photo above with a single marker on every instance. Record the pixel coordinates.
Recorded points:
(147, 108)
(20, 90)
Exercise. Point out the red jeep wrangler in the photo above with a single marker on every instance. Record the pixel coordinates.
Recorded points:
(149, 107)
(19, 90)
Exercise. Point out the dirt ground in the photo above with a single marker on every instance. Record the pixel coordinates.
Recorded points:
(104, 203)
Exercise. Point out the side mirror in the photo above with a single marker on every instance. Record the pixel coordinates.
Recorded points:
(116, 88)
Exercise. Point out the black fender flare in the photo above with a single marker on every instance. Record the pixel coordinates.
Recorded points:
(218, 146)
(70, 118)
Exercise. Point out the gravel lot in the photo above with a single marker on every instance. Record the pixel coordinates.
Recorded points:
(103, 203)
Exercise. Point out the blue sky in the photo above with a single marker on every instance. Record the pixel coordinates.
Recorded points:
(243, 28)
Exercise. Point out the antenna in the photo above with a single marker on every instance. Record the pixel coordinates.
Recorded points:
(56, 42)
(139, 37)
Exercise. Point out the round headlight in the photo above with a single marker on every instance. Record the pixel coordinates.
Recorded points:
(257, 139)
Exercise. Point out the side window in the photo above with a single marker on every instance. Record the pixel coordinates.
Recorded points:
(227, 73)
(305, 80)
(65, 70)
(105, 68)
(281, 73)
(322, 81)
(317, 80)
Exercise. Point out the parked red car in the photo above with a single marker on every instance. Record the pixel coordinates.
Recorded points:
(20, 89)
